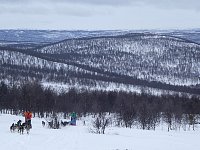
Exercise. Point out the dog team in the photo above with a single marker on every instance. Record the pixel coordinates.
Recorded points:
(21, 127)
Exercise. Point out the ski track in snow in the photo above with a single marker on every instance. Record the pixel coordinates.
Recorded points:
(79, 138)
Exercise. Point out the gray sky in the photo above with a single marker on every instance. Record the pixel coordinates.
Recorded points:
(99, 14)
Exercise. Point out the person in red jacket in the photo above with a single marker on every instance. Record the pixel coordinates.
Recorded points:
(28, 116)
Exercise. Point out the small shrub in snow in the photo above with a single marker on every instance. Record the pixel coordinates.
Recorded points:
(100, 124)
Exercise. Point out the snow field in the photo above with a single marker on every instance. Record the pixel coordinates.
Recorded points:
(79, 138)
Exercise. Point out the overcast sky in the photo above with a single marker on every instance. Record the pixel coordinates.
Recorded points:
(99, 14)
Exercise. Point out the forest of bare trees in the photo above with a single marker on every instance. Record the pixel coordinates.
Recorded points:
(130, 109)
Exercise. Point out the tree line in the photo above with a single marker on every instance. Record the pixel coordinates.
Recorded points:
(131, 109)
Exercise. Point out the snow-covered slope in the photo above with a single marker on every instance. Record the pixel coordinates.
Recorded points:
(144, 56)
(79, 138)
(141, 59)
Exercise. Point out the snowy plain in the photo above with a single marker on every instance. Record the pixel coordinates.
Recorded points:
(79, 138)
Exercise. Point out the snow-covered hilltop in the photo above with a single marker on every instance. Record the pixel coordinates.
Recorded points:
(144, 56)
(142, 59)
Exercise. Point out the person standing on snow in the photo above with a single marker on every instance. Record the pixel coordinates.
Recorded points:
(28, 116)
(73, 119)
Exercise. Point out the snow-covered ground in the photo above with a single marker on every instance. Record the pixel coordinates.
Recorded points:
(79, 138)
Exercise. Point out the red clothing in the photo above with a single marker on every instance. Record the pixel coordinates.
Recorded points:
(28, 115)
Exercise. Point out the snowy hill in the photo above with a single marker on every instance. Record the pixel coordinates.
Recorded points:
(79, 138)
(49, 36)
(8, 37)
(144, 56)
(136, 59)
(34, 38)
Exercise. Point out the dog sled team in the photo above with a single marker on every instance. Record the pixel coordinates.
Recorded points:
(21, 127)
(55, 124)
(71, 122)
